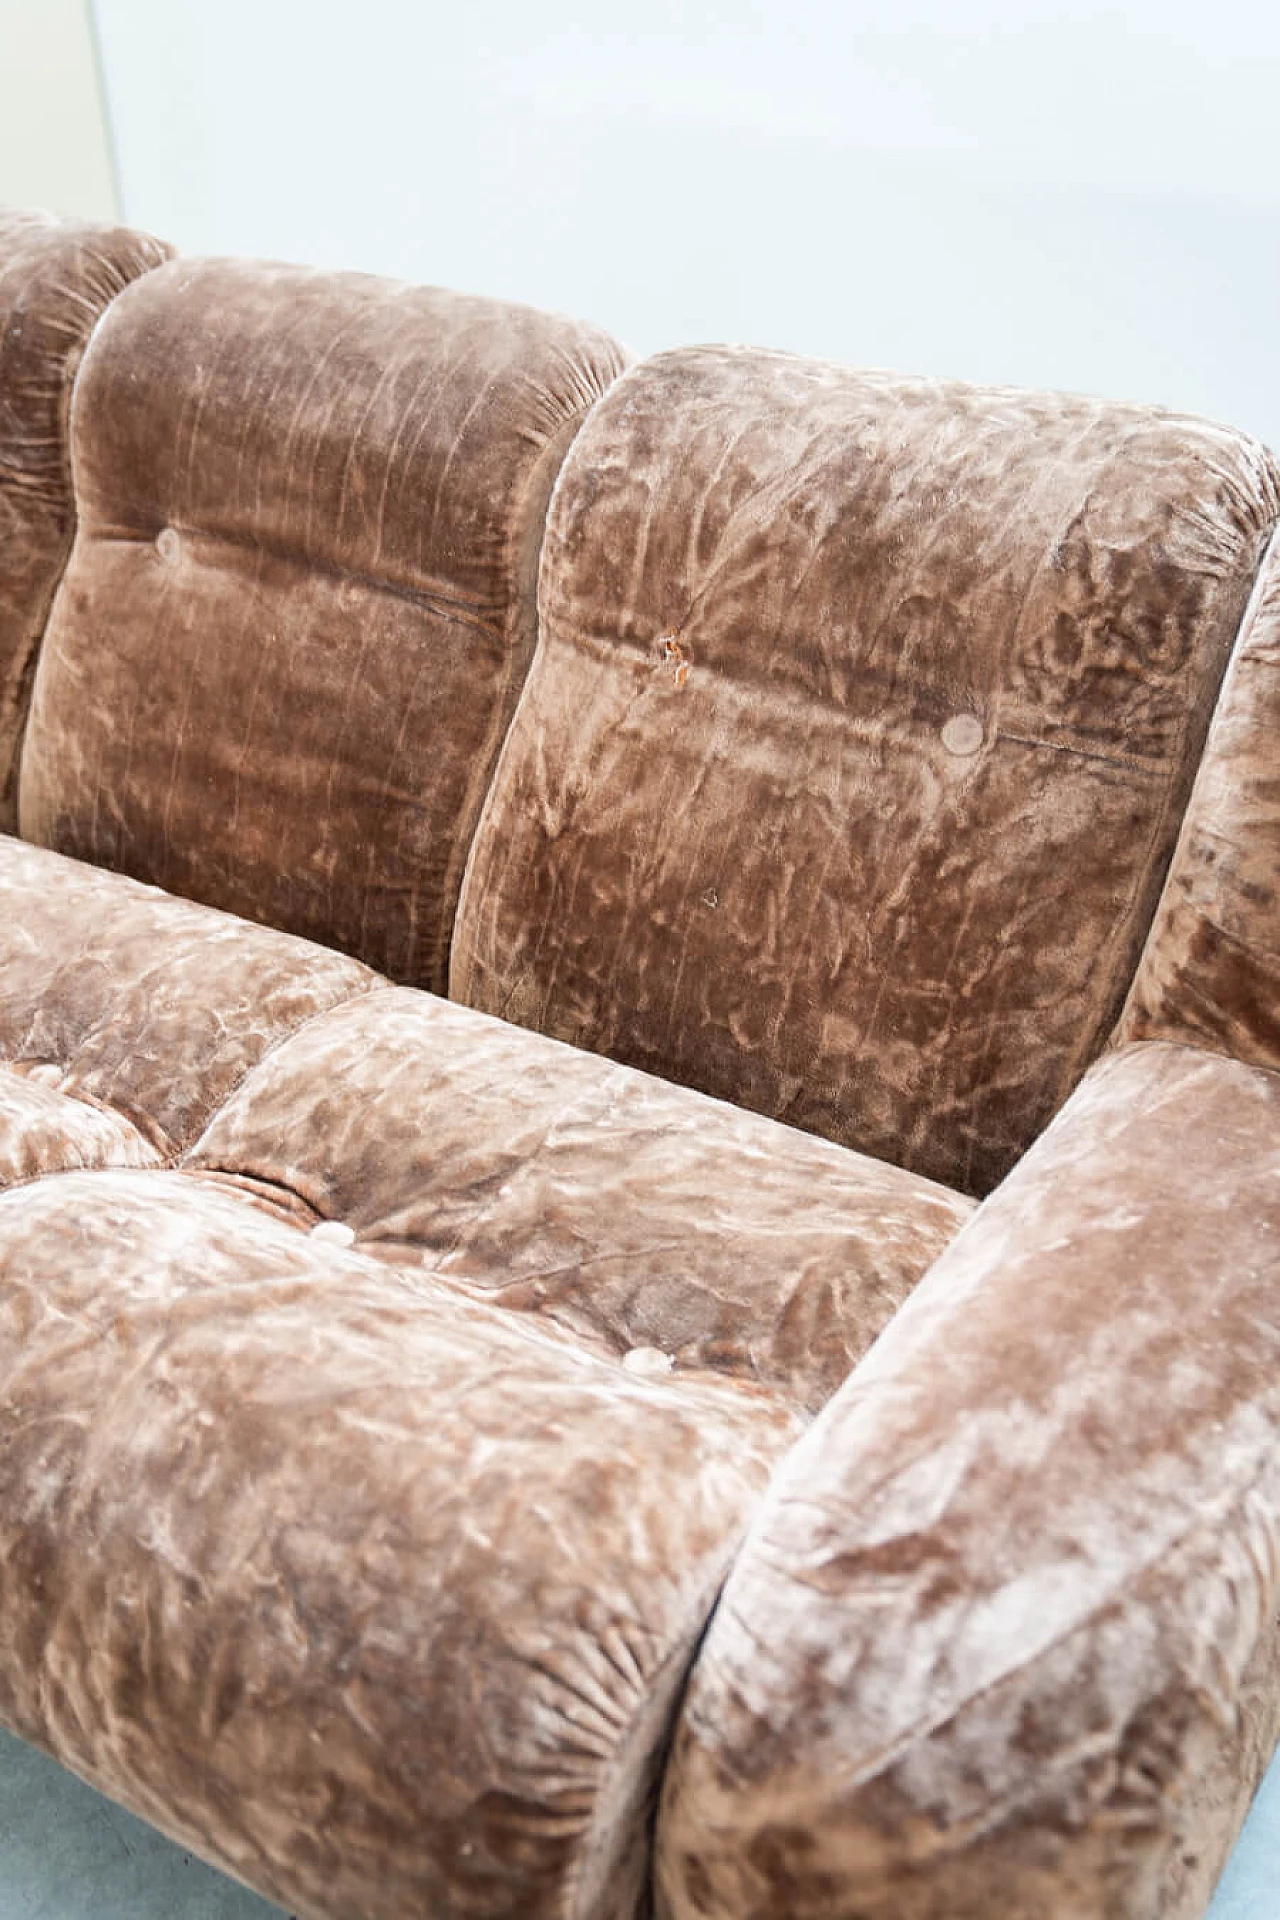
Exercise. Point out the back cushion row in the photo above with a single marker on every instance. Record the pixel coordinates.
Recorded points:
(861, 723)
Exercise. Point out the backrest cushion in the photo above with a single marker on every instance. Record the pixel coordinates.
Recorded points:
(864, 715)
(1210, 972)
(301, 600)
(56, 279)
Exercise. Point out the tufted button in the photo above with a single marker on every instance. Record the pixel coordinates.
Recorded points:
(333, 1233)
(168, 545)
(651, 1362)
(962, 735)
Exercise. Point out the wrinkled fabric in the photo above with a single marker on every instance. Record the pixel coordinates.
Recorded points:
(46, 1130)
(861, 727)
(119, 995)
(300, 606)
(1002, 1639)
(57, 277)
(369, 1594)
(386, 1391)
(383, 1393)
(1210, 972)
(643, 1221)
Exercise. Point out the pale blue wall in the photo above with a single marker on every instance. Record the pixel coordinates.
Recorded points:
(1065, 194)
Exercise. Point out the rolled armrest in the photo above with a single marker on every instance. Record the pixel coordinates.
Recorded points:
(1003, 1638)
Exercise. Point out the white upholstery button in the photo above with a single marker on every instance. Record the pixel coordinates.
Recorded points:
(652, 1362)
(962, 735)
(168, 545)
(334, 1233)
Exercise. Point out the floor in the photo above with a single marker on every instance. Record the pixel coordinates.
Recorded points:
(67, 1854)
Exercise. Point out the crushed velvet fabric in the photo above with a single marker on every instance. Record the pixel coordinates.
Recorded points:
(1211, 969)
(56, 279)
(1002, 1639)
(373, 1595)
(300, 605)
(635, 1216)
(46, 1130)
(386, 1392)
(121, 997)
(383, 1393)
(846, 684)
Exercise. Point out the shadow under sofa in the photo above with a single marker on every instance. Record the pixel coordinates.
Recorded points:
(640, 1014)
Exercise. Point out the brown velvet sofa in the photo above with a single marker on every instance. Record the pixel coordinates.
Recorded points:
(640, 1109)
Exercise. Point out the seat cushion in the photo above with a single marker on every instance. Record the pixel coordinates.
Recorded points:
(371, 1595)
(57, 277)
(846, 683)
(383, 1394)
(121, 996)
(45, 1130)
(646, 1222)
(300, 606)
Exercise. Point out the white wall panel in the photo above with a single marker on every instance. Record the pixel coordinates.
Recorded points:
(1080, 195)
(54, 149)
